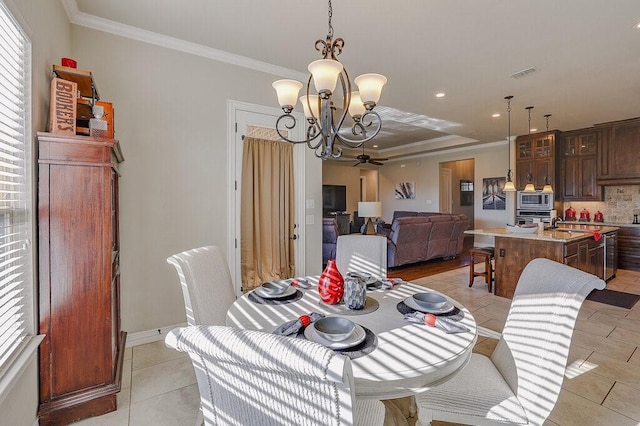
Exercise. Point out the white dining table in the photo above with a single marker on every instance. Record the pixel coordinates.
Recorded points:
(409, 358)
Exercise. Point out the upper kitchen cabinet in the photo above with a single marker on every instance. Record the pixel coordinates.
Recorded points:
(535, 155)
(619, 152)
(577, 153)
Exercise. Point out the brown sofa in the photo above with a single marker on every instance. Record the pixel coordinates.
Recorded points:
(423, 236)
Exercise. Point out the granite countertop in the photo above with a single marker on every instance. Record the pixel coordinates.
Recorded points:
(562, 234)
(592, 223)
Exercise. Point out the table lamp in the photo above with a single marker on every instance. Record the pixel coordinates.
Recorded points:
(369, 209)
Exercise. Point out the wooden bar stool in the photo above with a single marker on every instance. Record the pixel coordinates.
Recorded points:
(487, 254)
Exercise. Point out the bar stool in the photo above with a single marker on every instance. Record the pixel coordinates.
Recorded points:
(487, 254)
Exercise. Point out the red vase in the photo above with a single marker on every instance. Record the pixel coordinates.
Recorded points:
(331, 284)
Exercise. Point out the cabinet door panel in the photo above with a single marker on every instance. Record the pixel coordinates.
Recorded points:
(587, 179)
(569, 177)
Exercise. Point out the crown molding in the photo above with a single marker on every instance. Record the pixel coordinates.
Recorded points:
(82, 19)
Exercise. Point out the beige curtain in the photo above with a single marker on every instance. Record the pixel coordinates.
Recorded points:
(267, 212)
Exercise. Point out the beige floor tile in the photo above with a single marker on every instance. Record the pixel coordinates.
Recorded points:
(635, 358)
(610, 310)
(617, 370)
(485, 346)
(115, 418)
(574, 410)
(626, 335)
(578, 354)
(154, 353)
(161, 378)
(128, 353)
(615, 349)
(625, 400)
(629, 323)
(178, 407)
(595, 327)
(126, 373)
(588, 384)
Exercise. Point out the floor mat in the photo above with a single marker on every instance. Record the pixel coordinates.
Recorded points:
(614, 298)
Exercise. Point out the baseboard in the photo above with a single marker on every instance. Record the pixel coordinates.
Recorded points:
(149, 336)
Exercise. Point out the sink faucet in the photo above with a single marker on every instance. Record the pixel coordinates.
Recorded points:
(554, 222)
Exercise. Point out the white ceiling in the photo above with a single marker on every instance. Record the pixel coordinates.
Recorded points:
(586, 54)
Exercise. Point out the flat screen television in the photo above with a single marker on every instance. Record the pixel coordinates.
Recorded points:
(334, 198)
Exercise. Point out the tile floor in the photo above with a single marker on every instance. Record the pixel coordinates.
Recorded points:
(601, 387)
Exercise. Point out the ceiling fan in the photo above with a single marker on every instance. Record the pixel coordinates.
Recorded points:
(365, 158)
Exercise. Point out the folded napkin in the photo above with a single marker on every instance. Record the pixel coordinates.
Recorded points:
(291, 328)
(300, 283)
(596, 235)
(388, 283)
(448, 325)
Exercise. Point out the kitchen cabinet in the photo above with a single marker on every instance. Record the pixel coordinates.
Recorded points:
(535, 155)
(586, 255)
(577, 167)
(629, 248)
(82, 353)
(618, 154)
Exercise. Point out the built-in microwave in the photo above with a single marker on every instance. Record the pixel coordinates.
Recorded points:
(535, 200)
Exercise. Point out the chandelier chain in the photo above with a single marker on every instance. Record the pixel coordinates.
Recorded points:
(330, 13)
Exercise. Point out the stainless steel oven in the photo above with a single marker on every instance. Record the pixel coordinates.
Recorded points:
(534, 201)
(529, 216)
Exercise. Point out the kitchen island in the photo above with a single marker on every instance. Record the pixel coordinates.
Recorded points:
(574, 245)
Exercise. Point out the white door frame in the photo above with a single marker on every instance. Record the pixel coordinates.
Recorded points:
(262, 116)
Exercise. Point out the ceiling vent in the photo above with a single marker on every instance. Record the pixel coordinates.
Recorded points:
(523, 73)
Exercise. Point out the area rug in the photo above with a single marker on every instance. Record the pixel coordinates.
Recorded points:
(614, 298)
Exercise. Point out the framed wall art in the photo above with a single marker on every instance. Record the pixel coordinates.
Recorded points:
(493, 196)
(405, 191)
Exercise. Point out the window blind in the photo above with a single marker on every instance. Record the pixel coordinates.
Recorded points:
(16, 277)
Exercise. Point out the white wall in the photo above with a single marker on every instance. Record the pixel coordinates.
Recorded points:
(490, 161)
(171, 120)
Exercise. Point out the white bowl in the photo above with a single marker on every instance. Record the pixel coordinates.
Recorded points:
(523, 229)
(430, 300)
(274, 288)
(334, 329)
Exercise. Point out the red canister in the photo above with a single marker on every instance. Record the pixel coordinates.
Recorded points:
(570, 213)
(585, 215)
(68, 62)
(598, 216)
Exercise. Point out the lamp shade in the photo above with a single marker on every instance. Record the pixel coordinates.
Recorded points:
(325, 74)
(370, 86)
(547, 189)
(356, 107)
(369, 208)
(287, 91)
(509, 186)
(529, 187)
(314, 103)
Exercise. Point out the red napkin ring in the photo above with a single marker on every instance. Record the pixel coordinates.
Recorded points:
(430, 320)
(294, 283)
(305, 320)
(596, 235)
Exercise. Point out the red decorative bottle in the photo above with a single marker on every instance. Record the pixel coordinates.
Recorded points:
(331, 284)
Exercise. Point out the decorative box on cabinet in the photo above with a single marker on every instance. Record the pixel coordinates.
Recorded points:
(578, 160)
(618, 153)
(79, 282)
(535, 155)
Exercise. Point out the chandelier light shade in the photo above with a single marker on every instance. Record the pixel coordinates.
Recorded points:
(509, 186)
(328, 100)
(547, 188)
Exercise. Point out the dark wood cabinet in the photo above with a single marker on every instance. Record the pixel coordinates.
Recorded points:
(79, 277)
(629, 247)
(619, 153)
(535, 154)
(577, 166)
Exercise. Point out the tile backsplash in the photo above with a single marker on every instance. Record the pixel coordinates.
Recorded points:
(619, 205)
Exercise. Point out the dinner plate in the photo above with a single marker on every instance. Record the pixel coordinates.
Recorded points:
(288, 292)
(356, 338)
(448, 307)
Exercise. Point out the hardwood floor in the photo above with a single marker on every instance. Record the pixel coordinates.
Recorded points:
(434, 266)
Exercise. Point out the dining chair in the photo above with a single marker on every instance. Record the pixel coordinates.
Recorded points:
(520, 383)
(206, 284)
(248, 377)
(362, 253)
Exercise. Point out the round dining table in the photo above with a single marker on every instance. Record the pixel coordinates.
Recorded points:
(404, 358)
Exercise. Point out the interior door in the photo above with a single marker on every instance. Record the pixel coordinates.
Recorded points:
(245, 115)
(446, 199)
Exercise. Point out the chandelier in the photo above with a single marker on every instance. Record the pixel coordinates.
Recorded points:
(324, 121)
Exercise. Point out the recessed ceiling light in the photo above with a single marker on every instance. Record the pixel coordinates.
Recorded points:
(440, 95)
(534, 130)
(375, 146)
(637, 25)
(495, 115)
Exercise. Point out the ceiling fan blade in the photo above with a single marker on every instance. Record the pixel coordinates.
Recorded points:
(380, 159)
(357, 164)
(376, 163)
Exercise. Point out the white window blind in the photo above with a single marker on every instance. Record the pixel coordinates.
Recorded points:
(16, 278)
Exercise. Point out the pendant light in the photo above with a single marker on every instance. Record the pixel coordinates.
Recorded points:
(547, 189)
(509, 186)
(529, 186)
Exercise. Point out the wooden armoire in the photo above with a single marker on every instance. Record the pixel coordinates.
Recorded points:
(79, 278)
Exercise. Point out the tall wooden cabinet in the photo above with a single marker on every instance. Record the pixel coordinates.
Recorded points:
(535, 155)
(578, 163)
(79, 277)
